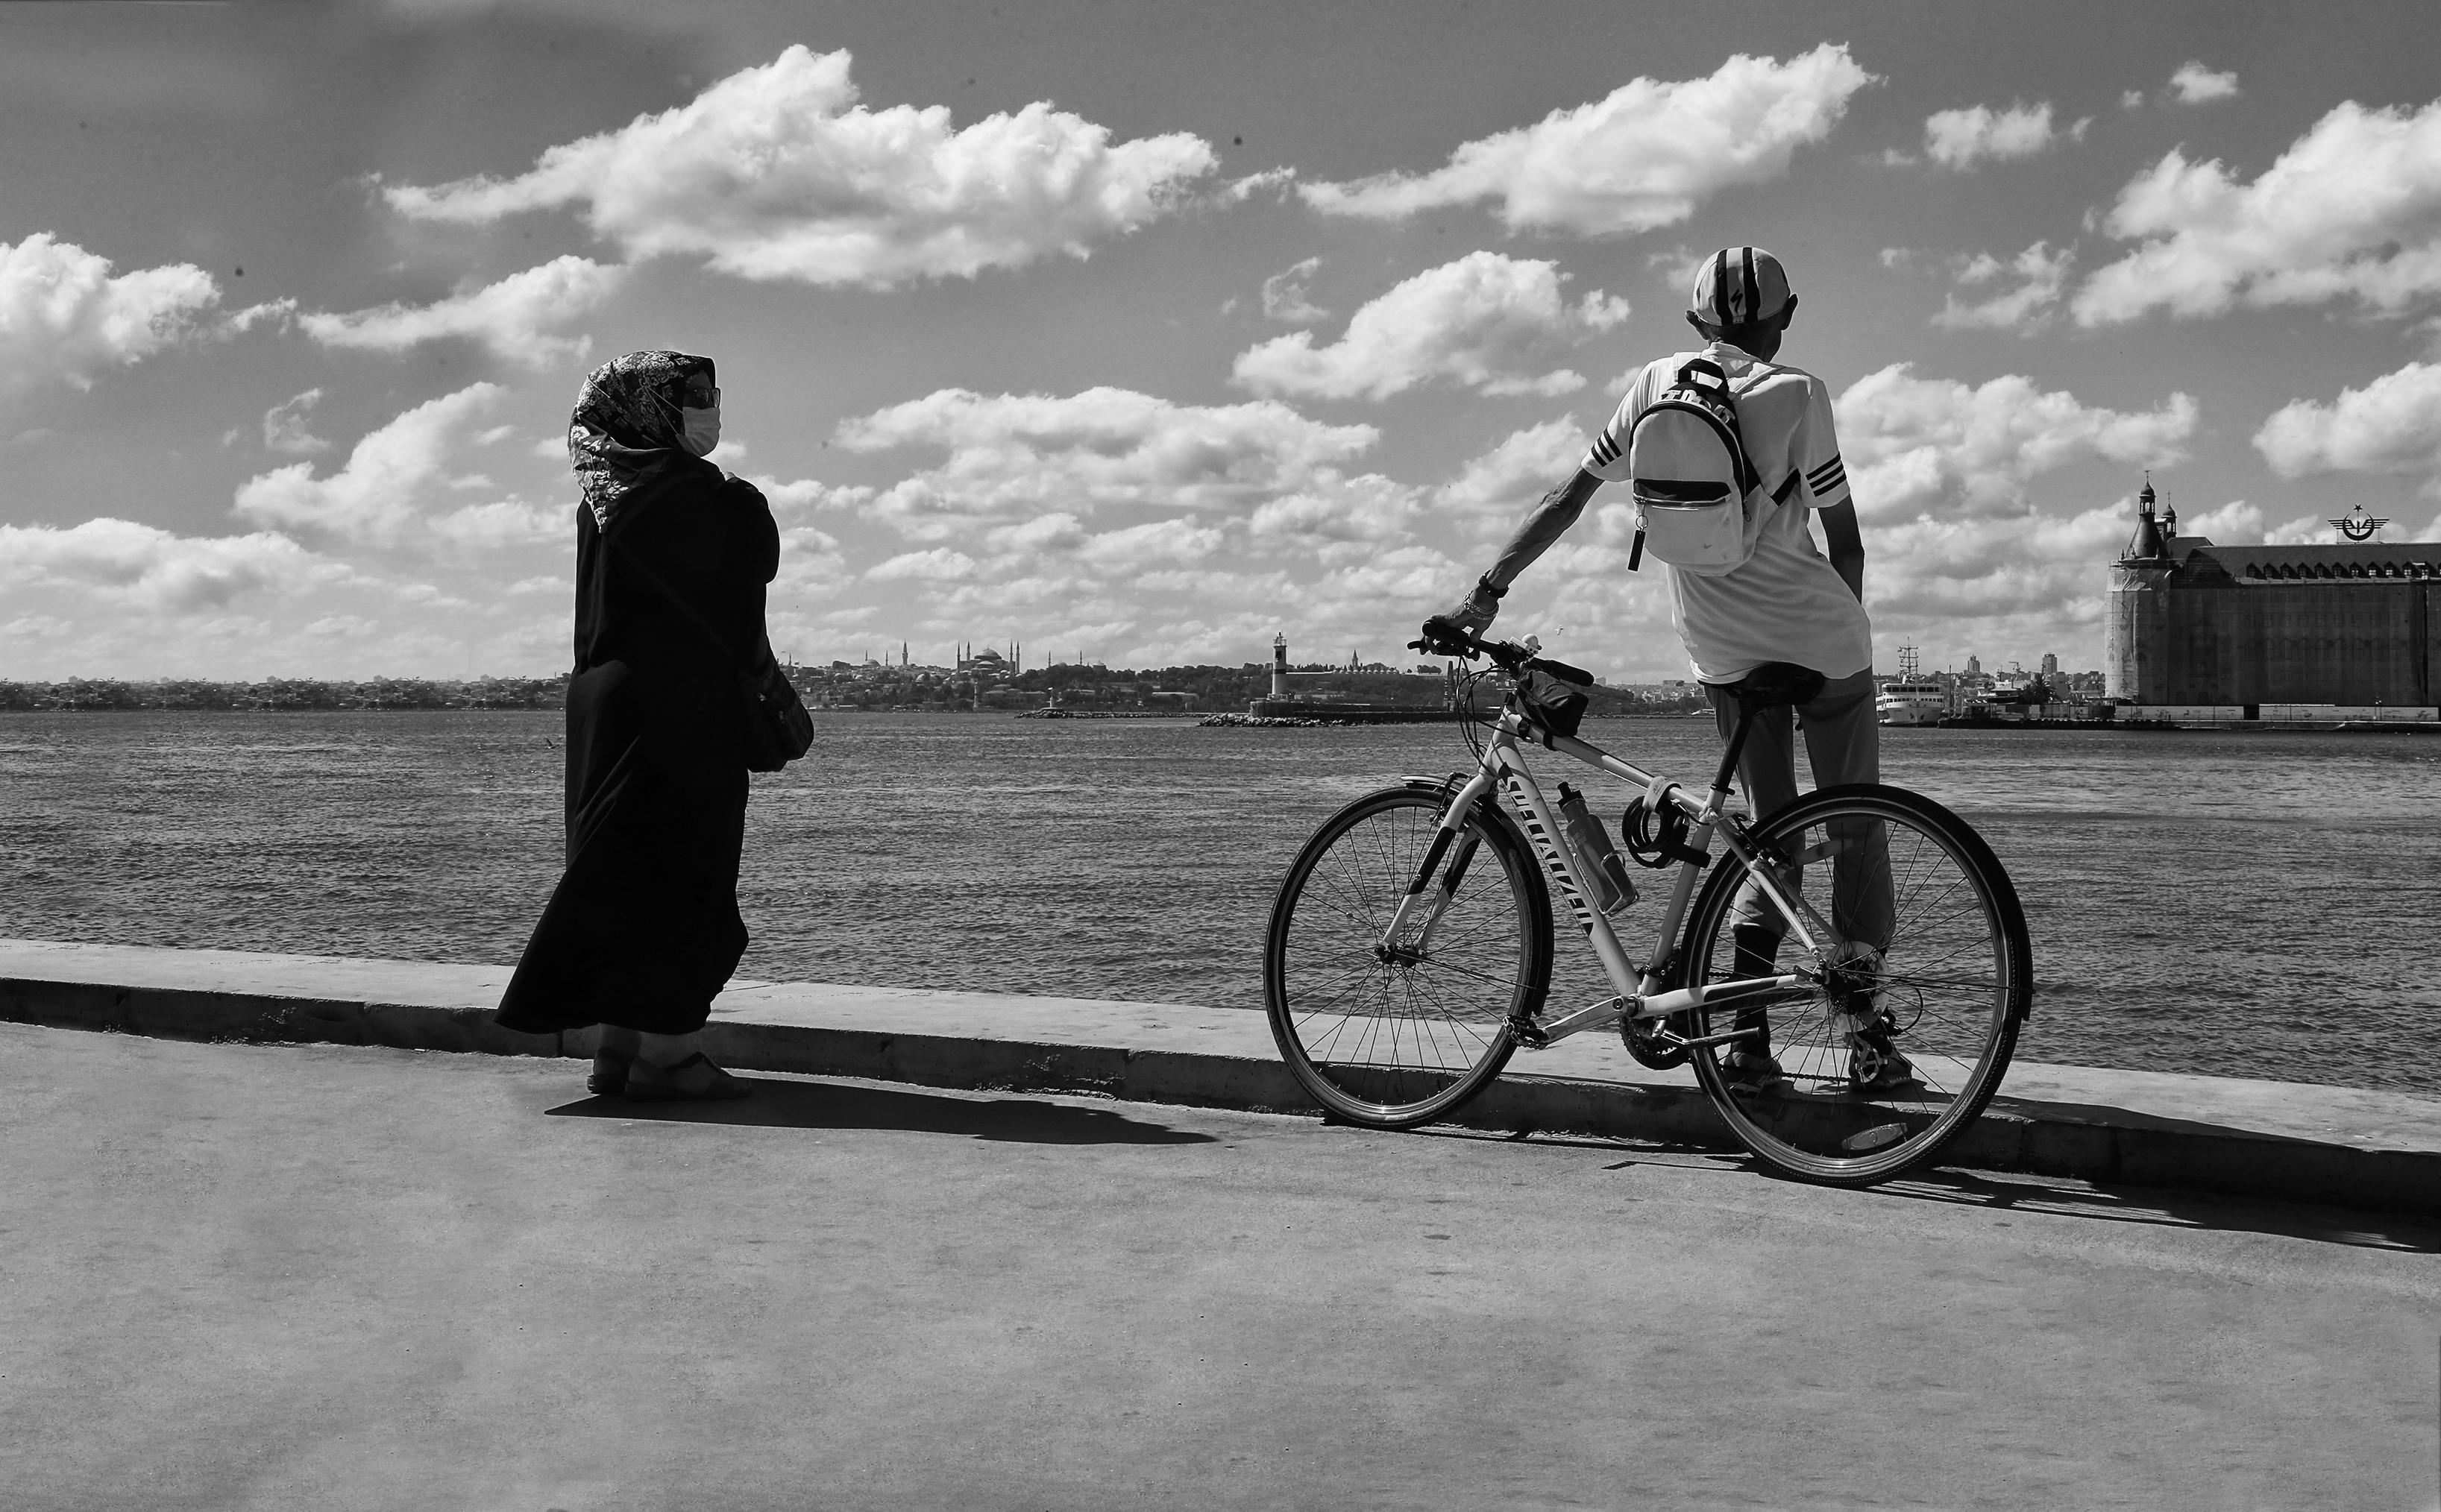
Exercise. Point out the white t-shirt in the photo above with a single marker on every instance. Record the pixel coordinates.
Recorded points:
(1785, 603)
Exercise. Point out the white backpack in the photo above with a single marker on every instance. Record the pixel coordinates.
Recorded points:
(1697, 497)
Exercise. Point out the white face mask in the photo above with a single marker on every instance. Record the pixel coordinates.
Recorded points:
(702, 431)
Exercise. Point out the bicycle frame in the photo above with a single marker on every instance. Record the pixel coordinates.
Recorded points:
(1640, 991)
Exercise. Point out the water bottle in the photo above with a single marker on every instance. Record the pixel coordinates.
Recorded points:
(1607, 884)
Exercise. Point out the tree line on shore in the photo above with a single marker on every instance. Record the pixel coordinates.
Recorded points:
(1205, 688)
(286, 695)
(1223, 687)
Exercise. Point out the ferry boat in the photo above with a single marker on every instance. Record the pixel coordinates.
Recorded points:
(1910, 698)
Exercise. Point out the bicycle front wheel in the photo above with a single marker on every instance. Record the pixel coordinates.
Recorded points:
(1391, 1034)
(1916, 997)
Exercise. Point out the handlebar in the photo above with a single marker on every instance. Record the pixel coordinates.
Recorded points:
(1444, 636)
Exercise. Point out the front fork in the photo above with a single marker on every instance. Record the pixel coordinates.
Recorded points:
(1425, 899)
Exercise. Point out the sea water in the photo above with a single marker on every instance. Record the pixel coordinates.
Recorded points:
(2256, 905)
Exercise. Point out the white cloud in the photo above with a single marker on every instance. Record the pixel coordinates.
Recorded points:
(1012, 457)
(1339, 523)
(1143, 530)
(1284, 295)
(504, 524)
(1961, 138)
(2352, 209)
(2194, 84)
(152, 569)
(284, 427)
(1493, 492)
(1941, 448)
(2024, 309)
(777, 172)
(390, 480)
(2308, 530)
(1134, 548)
(1485, 322)
(807, 495)
(1644, 156)
(939, 565)
(513, 317)
(2393, 424)
(2022, 565)
(2131, 99)
(64, 318)
(2236, 523)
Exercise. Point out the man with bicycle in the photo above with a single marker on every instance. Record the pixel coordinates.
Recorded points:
(1784, 603)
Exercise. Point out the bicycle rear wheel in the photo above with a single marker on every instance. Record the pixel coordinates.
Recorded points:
(1394, 1035)
(1943, 978)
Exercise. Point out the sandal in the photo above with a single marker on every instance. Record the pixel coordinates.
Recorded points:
(610, 1076)
(694, 1079)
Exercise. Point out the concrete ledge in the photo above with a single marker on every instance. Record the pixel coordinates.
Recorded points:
(2351, 1147)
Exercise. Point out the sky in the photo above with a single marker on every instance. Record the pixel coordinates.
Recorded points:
(1139, 332)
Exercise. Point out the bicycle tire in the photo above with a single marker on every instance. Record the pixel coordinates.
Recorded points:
(1955, 967)
(1389, 1042)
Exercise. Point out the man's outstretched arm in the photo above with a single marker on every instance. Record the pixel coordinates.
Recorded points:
(1550, 520)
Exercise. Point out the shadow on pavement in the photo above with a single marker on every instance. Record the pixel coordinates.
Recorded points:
(2171, 1208)
(829, 1104)
(2051, 1196)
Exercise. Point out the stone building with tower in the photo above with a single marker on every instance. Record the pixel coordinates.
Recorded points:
(2355, 622)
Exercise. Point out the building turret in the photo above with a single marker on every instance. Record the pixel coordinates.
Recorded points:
(2150, 543)
(2136, 627)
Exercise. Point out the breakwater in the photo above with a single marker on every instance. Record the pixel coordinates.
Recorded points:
(1292, 716)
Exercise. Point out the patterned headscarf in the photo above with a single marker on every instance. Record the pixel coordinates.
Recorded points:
(627, 427)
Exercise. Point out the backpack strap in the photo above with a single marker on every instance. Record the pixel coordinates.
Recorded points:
(1761, 370)
(1691, 375)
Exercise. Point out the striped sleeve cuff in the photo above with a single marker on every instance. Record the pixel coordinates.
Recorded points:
(1605, 459)
(1827, 479)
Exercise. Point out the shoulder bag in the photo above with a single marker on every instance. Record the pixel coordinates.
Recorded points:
(777, 728)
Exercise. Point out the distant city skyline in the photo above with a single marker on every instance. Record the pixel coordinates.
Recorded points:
(1145, 332)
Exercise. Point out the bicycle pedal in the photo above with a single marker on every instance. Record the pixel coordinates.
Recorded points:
(1527, 1033)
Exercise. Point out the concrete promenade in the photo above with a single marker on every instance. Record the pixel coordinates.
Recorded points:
(244, 1276)
(2366, 1149)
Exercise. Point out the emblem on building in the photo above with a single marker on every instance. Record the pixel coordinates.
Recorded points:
(2359, 526)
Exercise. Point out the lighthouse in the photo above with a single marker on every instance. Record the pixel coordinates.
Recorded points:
(1279, 666)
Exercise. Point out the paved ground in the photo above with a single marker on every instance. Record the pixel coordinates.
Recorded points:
(329, 1278)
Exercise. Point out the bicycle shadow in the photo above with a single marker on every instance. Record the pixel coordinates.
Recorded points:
(806, 1104)
(2047, 1196)
(2170, 1207)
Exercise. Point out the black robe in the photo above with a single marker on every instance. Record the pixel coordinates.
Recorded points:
(643, 930)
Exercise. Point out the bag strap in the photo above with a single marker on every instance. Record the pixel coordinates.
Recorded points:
(1756, 374)
(669, 596)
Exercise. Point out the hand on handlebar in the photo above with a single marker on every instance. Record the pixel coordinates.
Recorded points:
(1475, 612)
(1444, 636)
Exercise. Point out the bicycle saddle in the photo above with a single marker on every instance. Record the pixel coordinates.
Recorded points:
(1775, 683)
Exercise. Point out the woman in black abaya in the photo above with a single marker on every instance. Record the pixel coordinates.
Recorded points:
(672, 556)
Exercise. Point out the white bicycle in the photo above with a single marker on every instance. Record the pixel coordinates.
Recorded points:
(1409, 953)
